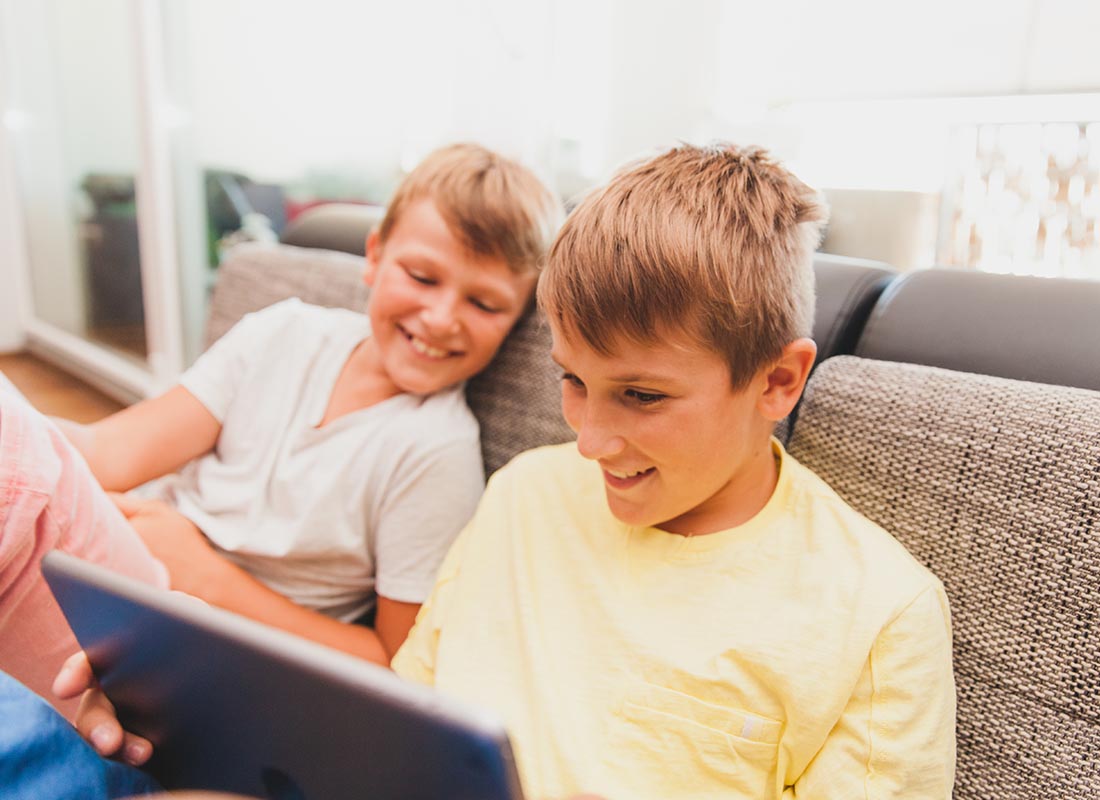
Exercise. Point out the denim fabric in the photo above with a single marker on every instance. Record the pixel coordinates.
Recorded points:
(42, 757)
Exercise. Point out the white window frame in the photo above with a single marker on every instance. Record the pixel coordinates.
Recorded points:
(115, 374)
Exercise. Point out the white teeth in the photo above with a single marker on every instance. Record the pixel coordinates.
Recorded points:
(423, 347)
(624, 475)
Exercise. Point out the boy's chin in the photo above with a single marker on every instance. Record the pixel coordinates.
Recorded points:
(632, 515)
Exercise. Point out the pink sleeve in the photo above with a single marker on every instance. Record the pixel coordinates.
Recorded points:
(49, 500)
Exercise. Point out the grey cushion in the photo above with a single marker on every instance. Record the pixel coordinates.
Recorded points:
(334, 226)
(1011, 326)
(995, 485)
(516, 399)
(846, 290)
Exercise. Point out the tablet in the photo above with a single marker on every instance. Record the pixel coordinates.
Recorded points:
(236, 706)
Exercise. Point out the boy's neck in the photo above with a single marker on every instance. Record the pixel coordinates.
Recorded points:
(743, 497)
(361, 384)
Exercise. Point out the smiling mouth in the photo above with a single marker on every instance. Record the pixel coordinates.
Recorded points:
(619, 479)
(425, 349)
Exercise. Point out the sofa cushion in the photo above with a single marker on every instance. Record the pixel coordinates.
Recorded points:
(516, 399)
(1011, 326)
(995, 485)
(845, 291)
(334, 226)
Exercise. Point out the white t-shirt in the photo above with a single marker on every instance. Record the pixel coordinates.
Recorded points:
(325, 516)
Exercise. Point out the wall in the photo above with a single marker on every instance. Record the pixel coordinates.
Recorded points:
(281, 89)
(896, 227)
(13, 297)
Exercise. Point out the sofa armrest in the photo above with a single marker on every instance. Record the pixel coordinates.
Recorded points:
(994, 484)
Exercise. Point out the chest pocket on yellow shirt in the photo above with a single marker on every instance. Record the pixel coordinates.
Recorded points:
(678, 743)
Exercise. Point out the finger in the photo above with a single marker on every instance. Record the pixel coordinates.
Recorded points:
(97, 724)
(136, 750)
(96, 720)
(75, 677)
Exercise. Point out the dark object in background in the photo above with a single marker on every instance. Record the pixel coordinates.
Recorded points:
(111, 255)
(229, 197)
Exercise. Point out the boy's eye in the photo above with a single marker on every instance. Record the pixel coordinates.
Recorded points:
(645, 398)
(420, 277)
(487, 307)
(572, 379)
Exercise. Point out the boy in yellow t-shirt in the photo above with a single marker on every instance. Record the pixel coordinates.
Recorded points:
(674, 607)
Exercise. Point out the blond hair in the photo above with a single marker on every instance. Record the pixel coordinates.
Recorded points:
(493, 205)
(714, 241)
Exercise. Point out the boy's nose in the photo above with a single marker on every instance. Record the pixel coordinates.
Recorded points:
(441, 316)
(596, 440)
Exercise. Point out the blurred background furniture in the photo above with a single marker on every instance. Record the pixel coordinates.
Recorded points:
(111, 256)
(334, 226)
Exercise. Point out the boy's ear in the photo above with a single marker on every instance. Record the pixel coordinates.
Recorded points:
(374, 256)
(786, 378)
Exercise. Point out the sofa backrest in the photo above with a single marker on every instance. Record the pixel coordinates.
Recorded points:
(994, 484)
(334, 226)
(1011, 326)
(846, 290)
(516, 399)
(253, 276)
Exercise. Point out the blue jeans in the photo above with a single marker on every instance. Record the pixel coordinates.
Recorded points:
(42, 757)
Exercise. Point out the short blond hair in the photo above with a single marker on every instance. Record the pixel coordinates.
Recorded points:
(493, 205)
(713, 241)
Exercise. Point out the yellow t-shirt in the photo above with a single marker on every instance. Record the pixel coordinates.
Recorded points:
(804, 653)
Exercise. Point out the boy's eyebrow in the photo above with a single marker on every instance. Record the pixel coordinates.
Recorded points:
(630, 377)
(640, 377)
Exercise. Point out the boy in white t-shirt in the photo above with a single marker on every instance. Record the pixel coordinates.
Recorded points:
(325, 458)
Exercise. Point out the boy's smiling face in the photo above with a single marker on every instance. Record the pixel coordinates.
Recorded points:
(438, 312)
(680, 449)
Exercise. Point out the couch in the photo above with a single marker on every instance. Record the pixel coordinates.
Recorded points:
(990, 480)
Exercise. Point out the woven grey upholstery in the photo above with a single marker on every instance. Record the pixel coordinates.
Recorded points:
(516, 399)
(995, 485)
(253, 276)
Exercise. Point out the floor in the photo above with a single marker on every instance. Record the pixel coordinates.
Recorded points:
(53, 391)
